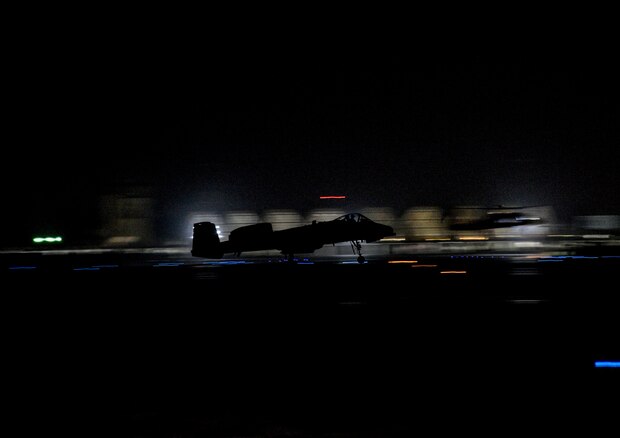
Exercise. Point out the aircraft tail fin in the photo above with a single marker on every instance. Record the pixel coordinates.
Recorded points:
(206, 242)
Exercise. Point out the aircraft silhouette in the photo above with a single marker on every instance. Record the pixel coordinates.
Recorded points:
(497, 217)
(352, 227)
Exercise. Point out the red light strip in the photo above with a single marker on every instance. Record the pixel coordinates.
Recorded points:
(332, 197)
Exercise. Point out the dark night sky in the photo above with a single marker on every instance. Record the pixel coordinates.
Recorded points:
(269, 123)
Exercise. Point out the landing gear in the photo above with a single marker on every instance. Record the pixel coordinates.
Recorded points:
(357, 248)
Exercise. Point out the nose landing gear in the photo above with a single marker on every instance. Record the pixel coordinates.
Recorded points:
(357, 249)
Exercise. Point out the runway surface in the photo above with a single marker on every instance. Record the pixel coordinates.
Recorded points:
(157, 343)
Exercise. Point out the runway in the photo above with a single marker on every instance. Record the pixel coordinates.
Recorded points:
(135, 340)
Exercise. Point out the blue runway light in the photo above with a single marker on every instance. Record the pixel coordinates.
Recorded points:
(227, 262)
(606, 364)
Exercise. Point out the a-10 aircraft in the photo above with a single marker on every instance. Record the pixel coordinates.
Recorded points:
(352, 227)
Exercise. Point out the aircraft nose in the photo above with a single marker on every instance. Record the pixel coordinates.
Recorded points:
(388, 231)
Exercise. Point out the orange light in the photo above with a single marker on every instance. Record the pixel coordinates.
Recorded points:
(332, 197)
(453, 272)
(403, 261)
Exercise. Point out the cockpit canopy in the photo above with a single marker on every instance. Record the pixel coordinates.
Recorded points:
(353, 217)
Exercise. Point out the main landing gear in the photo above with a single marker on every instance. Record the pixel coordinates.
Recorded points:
(356, 246)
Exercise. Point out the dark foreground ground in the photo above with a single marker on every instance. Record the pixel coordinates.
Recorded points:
(146, 345)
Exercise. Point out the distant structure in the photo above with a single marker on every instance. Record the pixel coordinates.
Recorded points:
(127, 218)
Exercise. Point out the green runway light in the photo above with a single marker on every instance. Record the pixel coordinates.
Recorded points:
(47, 239)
